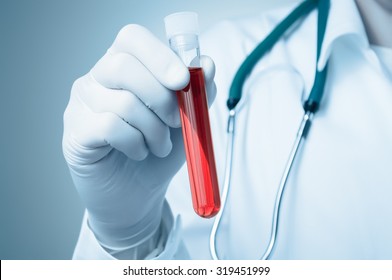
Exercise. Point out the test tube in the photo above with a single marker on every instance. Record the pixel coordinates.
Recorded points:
(182, 32)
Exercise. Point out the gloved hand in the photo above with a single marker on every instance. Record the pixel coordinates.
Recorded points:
(122, 140)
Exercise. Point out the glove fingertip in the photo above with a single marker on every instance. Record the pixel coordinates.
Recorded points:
(209, 68)
(177, 77)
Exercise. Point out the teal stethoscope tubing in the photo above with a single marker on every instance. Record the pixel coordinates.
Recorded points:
(310, 106)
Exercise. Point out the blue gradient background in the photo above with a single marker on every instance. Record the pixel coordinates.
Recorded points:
(45, 45)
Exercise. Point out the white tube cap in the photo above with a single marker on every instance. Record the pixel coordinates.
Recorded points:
(181, 23)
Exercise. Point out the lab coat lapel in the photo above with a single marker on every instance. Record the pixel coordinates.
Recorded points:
(343, 21)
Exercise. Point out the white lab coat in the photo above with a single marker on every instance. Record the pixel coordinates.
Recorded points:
(338, 199)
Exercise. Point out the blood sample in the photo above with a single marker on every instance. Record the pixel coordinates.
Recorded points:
(181, 29)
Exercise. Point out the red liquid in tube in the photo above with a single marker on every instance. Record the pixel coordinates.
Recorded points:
(199, 151)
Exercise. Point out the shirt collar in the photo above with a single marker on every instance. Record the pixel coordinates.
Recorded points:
(344, 21)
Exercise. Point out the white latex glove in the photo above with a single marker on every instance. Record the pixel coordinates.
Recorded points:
(122, 139)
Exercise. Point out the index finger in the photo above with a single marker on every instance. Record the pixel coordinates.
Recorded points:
(167, 68)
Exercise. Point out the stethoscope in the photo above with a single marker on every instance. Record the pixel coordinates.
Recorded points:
(310, 106)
